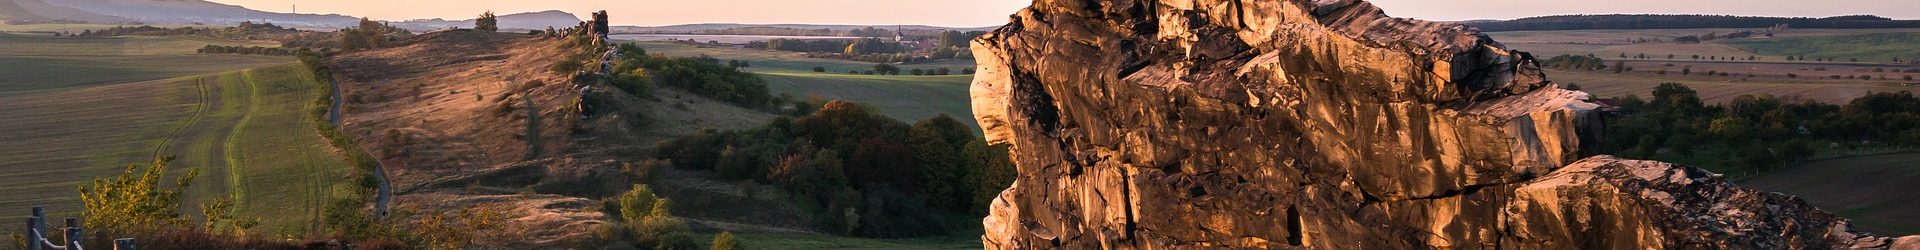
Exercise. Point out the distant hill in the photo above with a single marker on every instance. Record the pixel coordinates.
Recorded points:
(519, 21)
(167, 12)
(38, 11)
(1585, 22)
(194, 12)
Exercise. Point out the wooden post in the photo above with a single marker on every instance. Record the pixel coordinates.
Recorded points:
(36, 228)
(73, 233)
(123, 244)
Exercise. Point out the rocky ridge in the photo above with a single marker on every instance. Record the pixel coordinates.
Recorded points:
(1326, 124)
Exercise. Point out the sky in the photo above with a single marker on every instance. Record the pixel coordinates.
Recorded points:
(981, 13)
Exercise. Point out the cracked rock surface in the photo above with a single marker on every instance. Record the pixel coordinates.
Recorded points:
(1325, 124)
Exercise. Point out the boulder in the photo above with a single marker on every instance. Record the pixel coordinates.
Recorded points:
(1324, 124)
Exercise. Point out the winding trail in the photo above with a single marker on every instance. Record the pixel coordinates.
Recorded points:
(385, 194)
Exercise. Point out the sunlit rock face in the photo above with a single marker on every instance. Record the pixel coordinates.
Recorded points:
(1324, 124)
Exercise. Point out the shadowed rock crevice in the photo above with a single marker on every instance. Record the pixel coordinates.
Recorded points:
(1325, 124)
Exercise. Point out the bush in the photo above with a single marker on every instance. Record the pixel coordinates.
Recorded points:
(635, 82)
(662, 231)
(636, 204)
(725, 241)
(819, 69)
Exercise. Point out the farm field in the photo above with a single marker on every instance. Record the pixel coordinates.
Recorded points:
(1875, 191)
(1768, 72)
(246, 131)
(908, 98)
(1609, 44)
(905, 97)
(79, 108)
(43, 63)
(766, 60)
(1720, 89)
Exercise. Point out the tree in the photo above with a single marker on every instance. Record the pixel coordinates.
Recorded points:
(487, 22)
(819, 69)
(1688, 70)
(991, 171)
(1731, 128)
(936, 143)
(1620, 67)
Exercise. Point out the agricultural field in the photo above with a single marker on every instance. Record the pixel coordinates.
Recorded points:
(767, 60)
(1733, 74)
(80, 108)
(905, 97)
(1875, 191)
(35, 63)
(908, 98)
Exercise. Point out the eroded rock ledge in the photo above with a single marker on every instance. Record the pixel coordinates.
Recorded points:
(1325, 124)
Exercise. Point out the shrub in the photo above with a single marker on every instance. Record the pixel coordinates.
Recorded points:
(637, 203)
(660, 229)
(134, 199)
(635, 82)
(725, 241)
(819, 69)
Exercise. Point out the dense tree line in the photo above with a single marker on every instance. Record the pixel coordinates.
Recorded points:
(370, 34)
(245, 50)
(870, 175)
(244, 31)
(957, 39)
(1576, 62)
(1756, 130)
(1583, 22)
(802, 45)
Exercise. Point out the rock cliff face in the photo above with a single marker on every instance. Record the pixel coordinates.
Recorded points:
(1325, 124)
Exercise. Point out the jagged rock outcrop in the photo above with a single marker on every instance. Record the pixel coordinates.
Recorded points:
(1324, 124)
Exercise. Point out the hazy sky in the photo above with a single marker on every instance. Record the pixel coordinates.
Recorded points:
(976, 13)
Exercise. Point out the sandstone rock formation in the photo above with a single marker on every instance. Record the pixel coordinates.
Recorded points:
(1325, 124)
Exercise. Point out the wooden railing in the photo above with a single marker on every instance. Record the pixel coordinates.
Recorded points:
(73, 234)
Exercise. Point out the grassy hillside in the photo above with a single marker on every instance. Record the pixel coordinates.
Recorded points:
(1875, 191)
(1874, 47)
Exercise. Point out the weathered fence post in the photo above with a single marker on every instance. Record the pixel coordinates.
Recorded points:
(123, 244)
(36, 228)
(73, 232)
